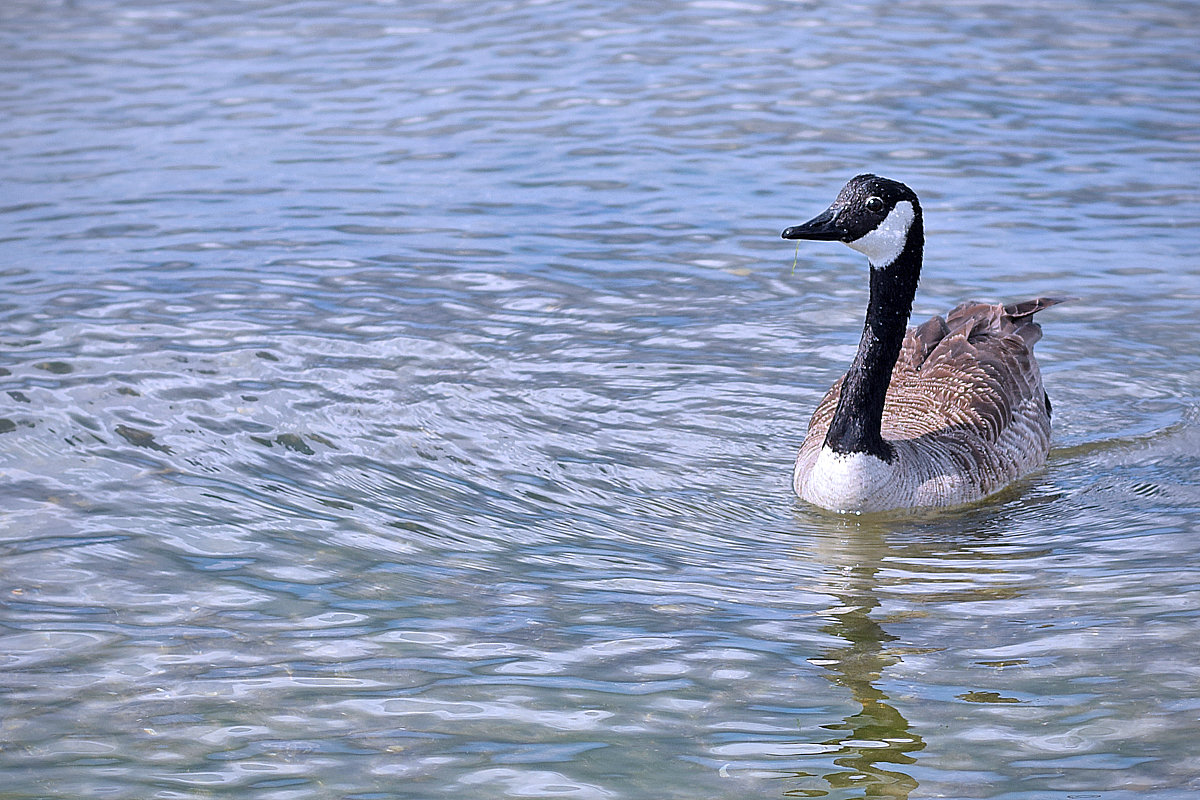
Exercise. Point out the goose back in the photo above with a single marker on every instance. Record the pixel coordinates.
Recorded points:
(965, 409)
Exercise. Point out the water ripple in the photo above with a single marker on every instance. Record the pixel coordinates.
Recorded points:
(399, 400)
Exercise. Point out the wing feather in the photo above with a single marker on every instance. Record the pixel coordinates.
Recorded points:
(966, 403)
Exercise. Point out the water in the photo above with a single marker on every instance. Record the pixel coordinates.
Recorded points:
(398, 400)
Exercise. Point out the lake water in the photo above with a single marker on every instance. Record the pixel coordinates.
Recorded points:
(398, 400)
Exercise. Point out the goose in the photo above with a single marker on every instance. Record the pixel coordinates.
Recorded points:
(943, 414)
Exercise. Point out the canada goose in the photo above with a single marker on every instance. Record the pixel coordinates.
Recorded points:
(947, 413)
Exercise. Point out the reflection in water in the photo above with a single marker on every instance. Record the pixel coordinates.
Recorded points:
(877, 737)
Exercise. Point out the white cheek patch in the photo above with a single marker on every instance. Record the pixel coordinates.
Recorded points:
(884, 245)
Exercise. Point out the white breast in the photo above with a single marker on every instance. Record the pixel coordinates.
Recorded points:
(848, 482)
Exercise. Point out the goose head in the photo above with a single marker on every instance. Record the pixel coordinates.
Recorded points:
(876, 216)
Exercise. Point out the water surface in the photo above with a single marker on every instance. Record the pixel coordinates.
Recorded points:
(398, 400)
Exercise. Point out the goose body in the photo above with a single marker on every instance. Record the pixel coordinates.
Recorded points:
(942, 414)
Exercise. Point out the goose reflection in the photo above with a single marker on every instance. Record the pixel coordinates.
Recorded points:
(869, 744)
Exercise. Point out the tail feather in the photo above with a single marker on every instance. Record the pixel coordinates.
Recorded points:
(1028, 308)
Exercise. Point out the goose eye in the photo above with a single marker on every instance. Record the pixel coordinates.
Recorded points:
(875, 204)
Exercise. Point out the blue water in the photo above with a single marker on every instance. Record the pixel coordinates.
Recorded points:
(398, 400)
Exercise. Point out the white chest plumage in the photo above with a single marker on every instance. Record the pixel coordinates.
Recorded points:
(848, 482)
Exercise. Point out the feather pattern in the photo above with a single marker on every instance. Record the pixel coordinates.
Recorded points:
(965, 409)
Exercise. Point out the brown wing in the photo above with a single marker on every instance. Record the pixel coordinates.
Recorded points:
(970, 371)
(965, 410)
(918, 343)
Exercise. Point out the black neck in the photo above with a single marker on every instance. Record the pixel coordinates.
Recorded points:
(855, 427)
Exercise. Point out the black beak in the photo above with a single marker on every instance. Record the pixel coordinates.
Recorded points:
(821, 228)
